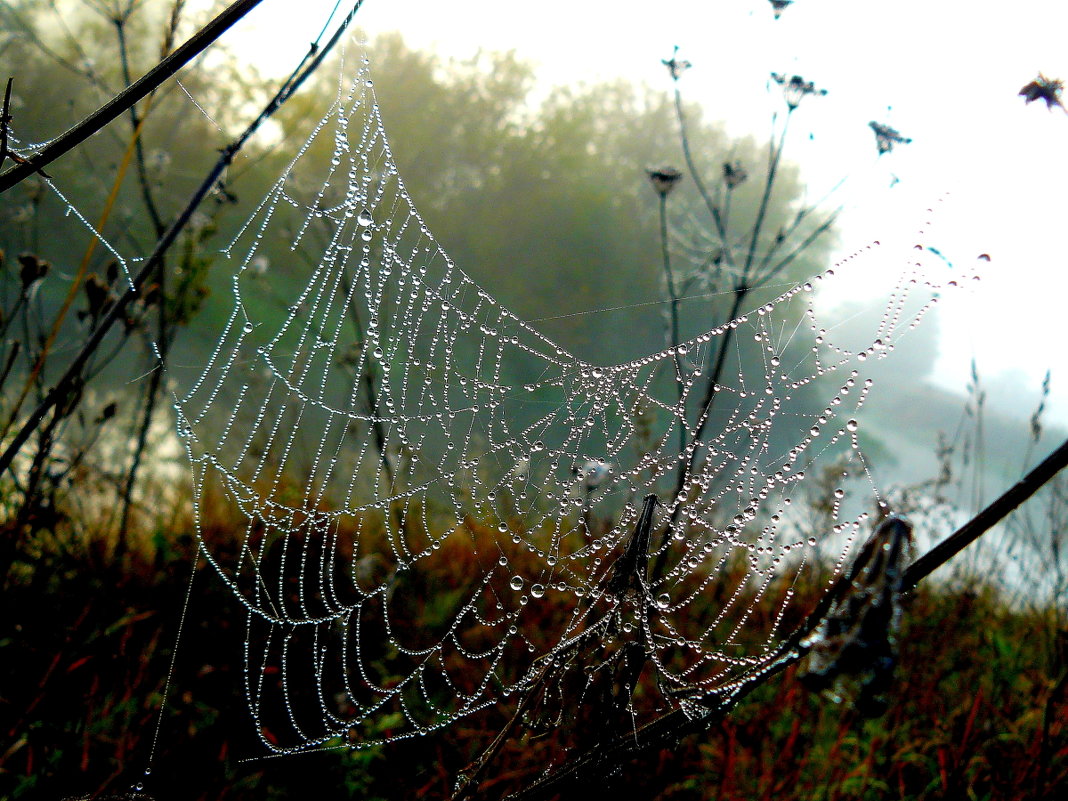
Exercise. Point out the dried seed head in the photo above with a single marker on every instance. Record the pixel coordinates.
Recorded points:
(31, 269)
(1043, 88)
(663, 179)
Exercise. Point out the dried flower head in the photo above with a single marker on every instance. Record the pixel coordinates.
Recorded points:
(778, 6)
(676, 66)
(886, 137)
(663, 179)
(31, 269)
(734, 174)
(795, 88)
(1043, 88)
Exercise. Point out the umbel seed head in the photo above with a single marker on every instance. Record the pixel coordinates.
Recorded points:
(734, 174)
(886, 137)
(663, 179)
(795, 88)
(676, 66)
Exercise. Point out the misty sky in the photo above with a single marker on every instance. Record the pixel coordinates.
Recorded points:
(945, 74)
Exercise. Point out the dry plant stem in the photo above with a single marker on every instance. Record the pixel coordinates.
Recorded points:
(629, 576)
(986, 519)
(718, 218)
(132, 148)
(5, 118)
(41, 357)
(125, 99)
(1046, 748)
(367, 379)
(162, 334)
(741, 289)
(674, 297)
(774, 158)
(135, 126)
(15, 347)
(308, 65)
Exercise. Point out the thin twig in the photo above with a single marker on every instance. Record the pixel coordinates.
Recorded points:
(296, 80)
(125, 99)
(674, 307)
(741, 290)
(162, 333)
(713, 209)
(5, 118)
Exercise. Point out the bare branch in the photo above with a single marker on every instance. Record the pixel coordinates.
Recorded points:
(308, 65)
(125, 99)
(986, 519)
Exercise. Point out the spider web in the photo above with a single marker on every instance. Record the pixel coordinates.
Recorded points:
(435, 496)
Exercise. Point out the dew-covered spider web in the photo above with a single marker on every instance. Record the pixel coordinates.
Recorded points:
(436, 499)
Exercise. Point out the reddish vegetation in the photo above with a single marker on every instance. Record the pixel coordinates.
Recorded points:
(979, 707)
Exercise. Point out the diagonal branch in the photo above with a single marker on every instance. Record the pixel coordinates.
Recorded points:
(129, 96)
(986, 519)
(699, 713)
(63, 385)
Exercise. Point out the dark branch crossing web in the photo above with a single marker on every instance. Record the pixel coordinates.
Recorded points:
(441, 507)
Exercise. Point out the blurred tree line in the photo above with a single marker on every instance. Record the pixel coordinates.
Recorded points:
(545, 204)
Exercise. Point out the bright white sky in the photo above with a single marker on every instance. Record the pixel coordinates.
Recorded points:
(945, 73)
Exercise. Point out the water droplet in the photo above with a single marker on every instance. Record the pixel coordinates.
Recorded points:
(852, 425)
(538, 446)
(663, 601)
(377, 353)
(248, 328)
(516, 583)
(984, 257)
(537, 590)
(365, 218)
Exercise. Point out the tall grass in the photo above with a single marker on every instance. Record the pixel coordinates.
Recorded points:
(978, 708)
